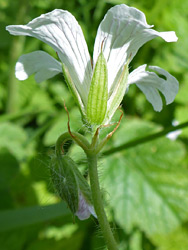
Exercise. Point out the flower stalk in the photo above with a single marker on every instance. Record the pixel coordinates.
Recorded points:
(98, 203)
(69, 183)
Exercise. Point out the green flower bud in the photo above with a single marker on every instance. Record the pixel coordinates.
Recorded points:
(71, 186)
(98, 93)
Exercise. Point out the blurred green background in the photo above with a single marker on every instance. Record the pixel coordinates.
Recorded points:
(145, 188)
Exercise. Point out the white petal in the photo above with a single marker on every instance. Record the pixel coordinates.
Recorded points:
(150, 84)
(84, 209)
(42, 64)
(92, 210)
(62, 32)
(174, 134)
(169, 36)
(124, 30)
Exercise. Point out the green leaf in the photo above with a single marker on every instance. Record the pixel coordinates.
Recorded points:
(181, 110)
(5, 38)
(27, 90)
(136, 241)
(74, 242)
(182, 96)
(147, 185)
(115, 1)
(13, 138)
(61, 93)
(177, 240)
(42, 4)
(13, 219)
(98, 92)
(9, 168)
(41, 100)
(181, 116)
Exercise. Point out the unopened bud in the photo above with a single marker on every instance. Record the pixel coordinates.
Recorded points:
(98, 93)
(71, 186)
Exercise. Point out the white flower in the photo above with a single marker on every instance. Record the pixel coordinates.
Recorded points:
(120, 34)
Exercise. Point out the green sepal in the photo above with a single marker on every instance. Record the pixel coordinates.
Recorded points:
(118, 93)
(98, 93)
(69, 182)
(65, 181)
(83, 184)
(73, 90)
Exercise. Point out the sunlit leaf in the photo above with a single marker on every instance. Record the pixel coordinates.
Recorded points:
(13, 138)
(146, 184)
(173, 241)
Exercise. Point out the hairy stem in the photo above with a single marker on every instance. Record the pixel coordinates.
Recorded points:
(98, 203)
(78, 138)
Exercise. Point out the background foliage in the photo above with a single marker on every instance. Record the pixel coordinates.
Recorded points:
(145, 187)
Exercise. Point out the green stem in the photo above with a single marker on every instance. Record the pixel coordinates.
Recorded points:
(78, 138)
(98, 204)
(145, 139)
